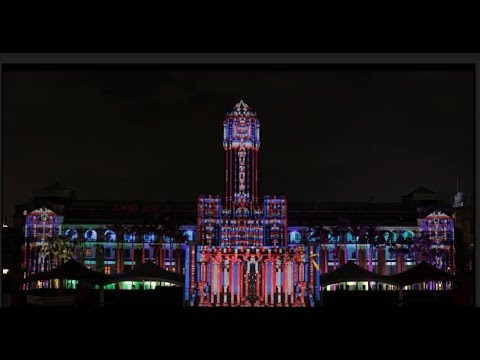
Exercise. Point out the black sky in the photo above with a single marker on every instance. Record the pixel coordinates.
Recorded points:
(326, 135)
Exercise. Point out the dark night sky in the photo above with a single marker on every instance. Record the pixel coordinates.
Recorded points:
(326, 135)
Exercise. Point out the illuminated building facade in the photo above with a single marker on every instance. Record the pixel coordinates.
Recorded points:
(110, 240)
(242, 257)
(41, 225)
(238, 250)
(247, 256)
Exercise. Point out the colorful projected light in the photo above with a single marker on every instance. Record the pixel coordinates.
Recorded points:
(243, 257)
(40, 225)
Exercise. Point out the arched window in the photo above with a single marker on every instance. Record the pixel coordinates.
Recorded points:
(349, 237)
(242, 212)
(295, 237)
(407, 234)
(128, 236)
(330, 238)
(149, 237)
(72, 234)
(189, 234)
(110, 236)
(394, 236)
(90, 235)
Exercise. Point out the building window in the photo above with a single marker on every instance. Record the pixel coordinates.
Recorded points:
(88, 252)
(189, 234)
(148, 237)
(110, 236)
(71, 234)
(128, 236)
(407, 234)
(127, 253)
(147, 254)
(349, 237)
(295, 237)
(91, 235)
(107, 270)
(108, 252)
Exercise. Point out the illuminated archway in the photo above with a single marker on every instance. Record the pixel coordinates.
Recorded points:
(90, 235)
(295, 237)
(110, 236)
(189, 234)
(71, 234)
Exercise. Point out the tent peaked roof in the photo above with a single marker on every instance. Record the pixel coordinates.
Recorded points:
(56, 186)
(421, 190)
(150, 272)
(71, 270)
(422, 272)
(352, 272)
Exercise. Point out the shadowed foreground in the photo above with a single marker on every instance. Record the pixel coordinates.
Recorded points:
(173, 297)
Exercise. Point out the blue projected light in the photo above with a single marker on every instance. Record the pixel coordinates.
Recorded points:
(91, 235)
(187, 278)
(269, 278)
(190, 235)
(149, 237)
(72, 234)
(349, 237)
(110, 236)
(235, 276)
(295, 237)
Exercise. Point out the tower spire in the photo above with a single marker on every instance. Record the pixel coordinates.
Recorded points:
(241, 141)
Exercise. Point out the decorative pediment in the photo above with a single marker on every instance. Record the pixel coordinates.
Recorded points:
(438, 214)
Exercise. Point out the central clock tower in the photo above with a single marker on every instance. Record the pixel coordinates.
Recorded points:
(241, 141)
(242, 257)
